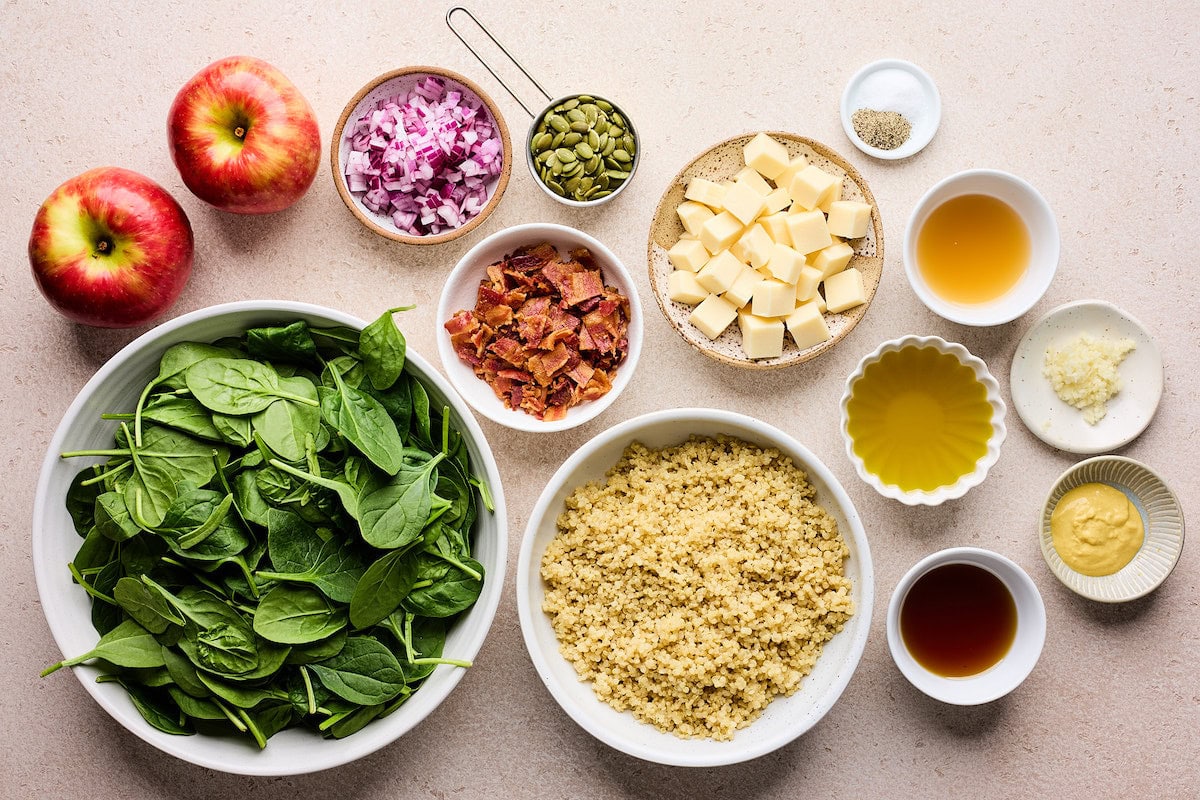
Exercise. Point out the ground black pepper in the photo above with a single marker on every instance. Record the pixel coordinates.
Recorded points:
(885, 130)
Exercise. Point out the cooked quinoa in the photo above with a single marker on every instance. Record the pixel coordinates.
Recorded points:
(696, 584)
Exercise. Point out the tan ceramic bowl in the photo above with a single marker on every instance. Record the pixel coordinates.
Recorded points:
(387, 85)
(722, 162)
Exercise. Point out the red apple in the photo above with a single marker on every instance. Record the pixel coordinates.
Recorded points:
(111, 248)
(243, 137)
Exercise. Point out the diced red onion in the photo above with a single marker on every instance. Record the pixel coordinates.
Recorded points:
(426, 158)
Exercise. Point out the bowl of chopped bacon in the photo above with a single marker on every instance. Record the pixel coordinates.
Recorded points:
(542, 327)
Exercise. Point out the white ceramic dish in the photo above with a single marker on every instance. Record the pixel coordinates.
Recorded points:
(67, 608)
(966, 482)
(1062, 426)
(1012, 669)
(461, 289)
(893, 85)
(786, 717)
(1039, 220)
(1162, 520)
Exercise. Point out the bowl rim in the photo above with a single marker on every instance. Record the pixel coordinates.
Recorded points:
(339, 178)
(490, 406)
(566, 201)
(628, 431)
(933, 108)
(949, 690)
(980, 317)
(54, 610)
(941, 494)
(1107, 588)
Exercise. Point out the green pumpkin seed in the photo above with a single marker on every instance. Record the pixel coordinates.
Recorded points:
(630, 145)
(556, 168)
(604, 105)
(593, 165)
(617, 174)
(570, 104)
(611, 162)
(572, 186)
(617, 118)
(586, 98)
(601, 126)
(564, 155)
(601, 193)
(556, 187)
(585, 183)
(608, 148)
(575, 115)
(593, 139)
(558, 123)
(572, 139)
(581, 126)
(542, 141)
(583, 151)
(620, 155)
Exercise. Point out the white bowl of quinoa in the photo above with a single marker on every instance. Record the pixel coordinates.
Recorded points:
(695, 587)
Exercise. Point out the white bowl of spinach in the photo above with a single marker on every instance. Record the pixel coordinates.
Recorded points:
(291, 531)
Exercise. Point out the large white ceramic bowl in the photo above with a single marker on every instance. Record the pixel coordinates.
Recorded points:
(786, 717)
(1039, 220)
(461, 290)
(115, 388)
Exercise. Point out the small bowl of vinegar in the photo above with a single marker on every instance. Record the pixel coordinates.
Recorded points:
(981, 247)
(922, 420)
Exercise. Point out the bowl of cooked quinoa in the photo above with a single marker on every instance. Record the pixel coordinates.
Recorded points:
(695, 587)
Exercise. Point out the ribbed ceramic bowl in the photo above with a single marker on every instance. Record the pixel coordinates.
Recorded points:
(1162, 519)
(966, 481)
(115, 387)
(786, 717)
(388, 85)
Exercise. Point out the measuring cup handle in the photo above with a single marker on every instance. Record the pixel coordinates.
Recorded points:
(480, 59)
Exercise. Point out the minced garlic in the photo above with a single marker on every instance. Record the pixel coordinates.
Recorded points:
(1084, 373)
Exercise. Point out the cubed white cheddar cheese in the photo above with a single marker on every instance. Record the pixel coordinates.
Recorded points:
(834, 195)
(776, 201)
(743, 202)
(720, 272)
(713, 315)
(693, 215)
(785, 263)
(845, 290)
(849, 218)
(776, 227)
(766, 155)
(784, 179)
(750, 177)
(811, 186)
(807, 326)
(744, 287)
(754, 247)
(682, 287)
(720, 232)
(761, 338)
(808, 231)
(773, 298)
(833, 259)
(688, 254)
(807, 282)
(710, 193)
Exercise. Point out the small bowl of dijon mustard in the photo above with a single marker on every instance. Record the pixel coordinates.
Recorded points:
(1111, 529)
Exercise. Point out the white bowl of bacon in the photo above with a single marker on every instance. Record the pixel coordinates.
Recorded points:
(541, 327)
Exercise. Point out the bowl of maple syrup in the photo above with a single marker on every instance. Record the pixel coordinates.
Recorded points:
(981, 247)
(966, 626)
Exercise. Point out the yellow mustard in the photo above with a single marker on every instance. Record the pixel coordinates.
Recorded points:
(1096, 529)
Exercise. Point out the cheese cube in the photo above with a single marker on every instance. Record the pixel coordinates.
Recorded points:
(720, 272)
(784, 179)
(750, 177)
(785, 263)
(820, 301)
(743, 202)
(708, 192)
(807, 326)
(845, 290)
(744, 287)
(834, 196)
(688, 254)
(833, 259)
(720, 232)
(773, 298)
(761, 338)
(776, 201)
(766, 155)
(682, 287)
(806, 284)
(808, 231)
(849, 218)
(754, 248)
(776, 227)
(713, 315)
(693, 215)
(811, 186)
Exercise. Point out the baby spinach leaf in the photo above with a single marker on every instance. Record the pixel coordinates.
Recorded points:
(454, 591)
(363, 422)
(112, 517)
(296, 615)
(144, 605)
(178, 358)
(127, 645)
(183, 673)
(284, 425)
(186, 414)
(394, 515)
(286, 343)
(422, 425)
(237, 385)
(318, 651)
(239, 695)
(382, 587)
(165, 461)
(249, 501)
(364, 672)
(195, 707)
(300, 555)
(382, 348)
(81, 500)
(155, 708)
(236, 431)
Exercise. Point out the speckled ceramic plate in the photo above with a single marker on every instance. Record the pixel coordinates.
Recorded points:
(1062, 426)
(1162, 519)
(720, 163)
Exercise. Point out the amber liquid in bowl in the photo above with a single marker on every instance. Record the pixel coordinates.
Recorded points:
(919, 419)
(973, 249)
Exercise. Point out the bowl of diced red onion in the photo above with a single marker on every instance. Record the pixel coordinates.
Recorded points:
(421, 155)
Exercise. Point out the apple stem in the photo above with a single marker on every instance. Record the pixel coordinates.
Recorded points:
(239, 132)
(103, 246)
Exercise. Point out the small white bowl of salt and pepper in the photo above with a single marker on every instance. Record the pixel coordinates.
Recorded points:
(891, 109)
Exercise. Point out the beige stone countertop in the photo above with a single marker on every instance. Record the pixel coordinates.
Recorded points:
(1096, 104)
